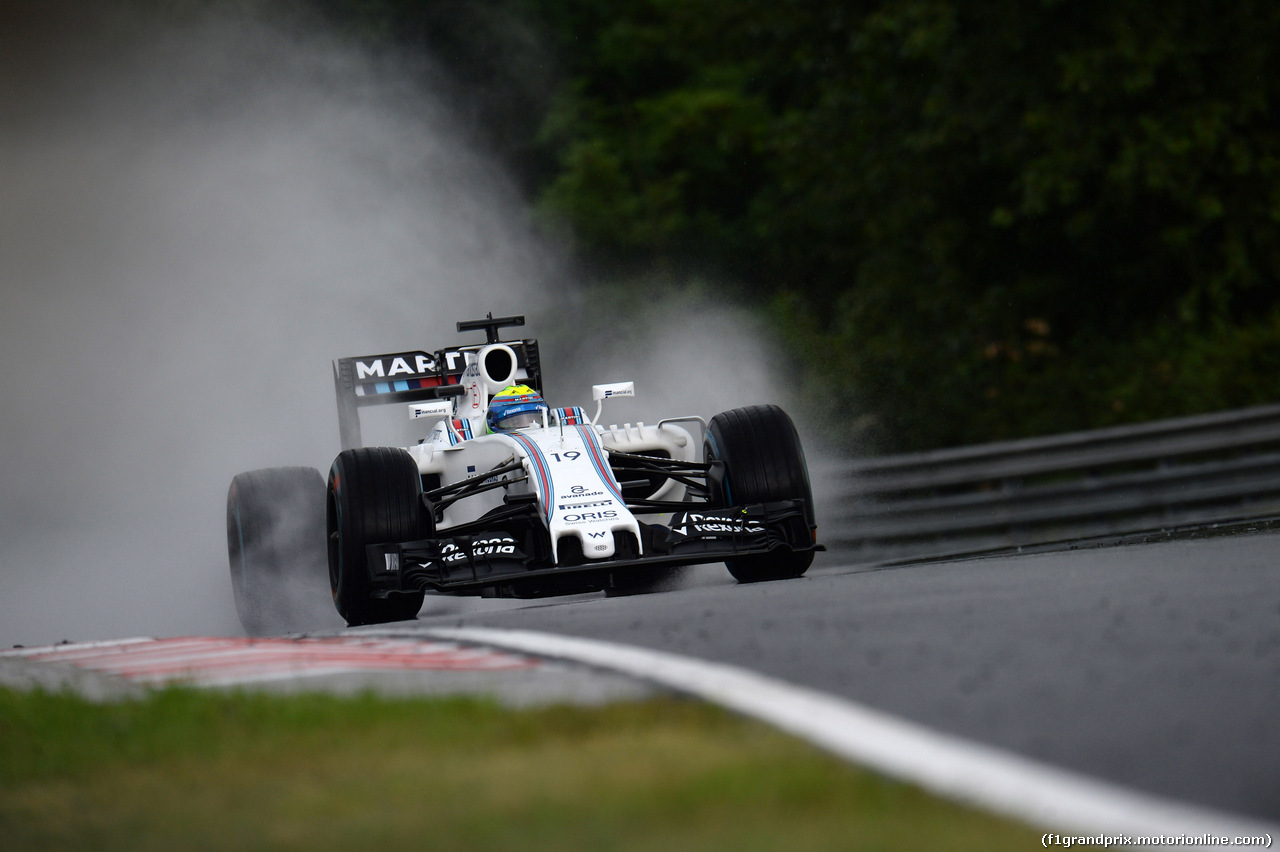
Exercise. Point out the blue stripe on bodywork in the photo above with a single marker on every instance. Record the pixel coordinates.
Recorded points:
(596, 452)
(544, 473)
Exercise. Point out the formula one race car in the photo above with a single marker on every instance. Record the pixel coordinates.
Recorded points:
(507, 496)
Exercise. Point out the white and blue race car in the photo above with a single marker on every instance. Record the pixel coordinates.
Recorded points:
(507, 496)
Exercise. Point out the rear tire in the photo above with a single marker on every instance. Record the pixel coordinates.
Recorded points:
(374, 496)
(763, 463)
(276, 545)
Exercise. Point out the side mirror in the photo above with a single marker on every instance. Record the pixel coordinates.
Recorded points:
(602, 392)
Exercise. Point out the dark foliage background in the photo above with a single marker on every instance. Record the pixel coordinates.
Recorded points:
(967, 221)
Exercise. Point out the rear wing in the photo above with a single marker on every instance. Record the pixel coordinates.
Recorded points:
(406, 377)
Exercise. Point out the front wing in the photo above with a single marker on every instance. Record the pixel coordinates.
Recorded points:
(499, 556)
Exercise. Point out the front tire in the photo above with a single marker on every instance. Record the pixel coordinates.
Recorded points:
(276, 545)
(763, 463)
(374, 497)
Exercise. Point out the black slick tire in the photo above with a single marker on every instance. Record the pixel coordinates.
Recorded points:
(763, 463)
(276, 545)
(374, 497)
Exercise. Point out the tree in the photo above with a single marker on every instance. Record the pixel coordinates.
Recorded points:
(981, 218)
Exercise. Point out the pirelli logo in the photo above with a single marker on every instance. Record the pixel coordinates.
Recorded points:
(592, 504)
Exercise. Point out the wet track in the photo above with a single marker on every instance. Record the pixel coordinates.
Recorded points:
(1155, 666)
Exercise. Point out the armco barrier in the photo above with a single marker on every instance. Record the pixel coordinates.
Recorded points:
(1172, 473)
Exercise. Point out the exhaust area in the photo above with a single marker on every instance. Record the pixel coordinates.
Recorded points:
(197, 214)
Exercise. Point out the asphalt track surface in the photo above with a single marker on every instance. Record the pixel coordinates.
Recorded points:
(1154, 666)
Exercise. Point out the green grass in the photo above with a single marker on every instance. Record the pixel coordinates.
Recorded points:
(185, 769)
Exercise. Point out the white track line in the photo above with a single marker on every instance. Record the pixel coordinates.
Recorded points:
(957, 769)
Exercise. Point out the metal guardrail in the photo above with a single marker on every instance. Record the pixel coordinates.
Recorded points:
(1172, 473)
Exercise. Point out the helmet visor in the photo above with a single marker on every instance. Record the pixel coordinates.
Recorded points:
(520, 420)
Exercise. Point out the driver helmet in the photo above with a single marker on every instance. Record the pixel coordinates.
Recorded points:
(515, 407)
